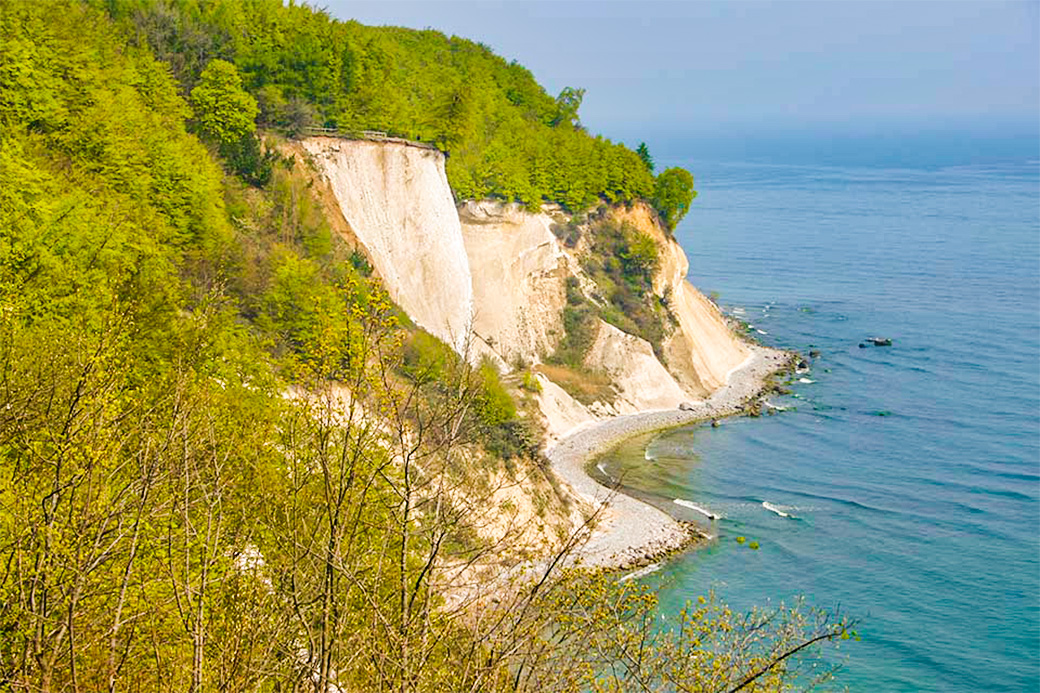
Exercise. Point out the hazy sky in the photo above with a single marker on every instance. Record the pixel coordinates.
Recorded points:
(703, 66)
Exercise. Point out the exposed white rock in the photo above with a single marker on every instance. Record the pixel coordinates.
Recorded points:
(519, 279)
(703, 350)
(643, 383)
(703, 339)
(490, 279)
(563, 414)
(397, 201)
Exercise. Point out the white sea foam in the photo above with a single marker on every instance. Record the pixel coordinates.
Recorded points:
(807, 381)
(642, 572)
(687, 504)
(772, 508)
(761, 331)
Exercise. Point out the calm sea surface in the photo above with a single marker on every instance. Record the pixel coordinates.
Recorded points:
(911, 472)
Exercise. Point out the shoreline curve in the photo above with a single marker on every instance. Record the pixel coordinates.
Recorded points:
(631, 533)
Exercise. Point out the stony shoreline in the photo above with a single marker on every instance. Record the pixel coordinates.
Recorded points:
(628, 532)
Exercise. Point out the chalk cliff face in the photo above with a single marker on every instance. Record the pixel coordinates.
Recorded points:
(490, 279)
(702, 352)
(519, 280)
(641, 379)
(397, 201)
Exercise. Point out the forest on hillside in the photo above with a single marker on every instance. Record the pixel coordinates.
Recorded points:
(505, 136)
(227, 461)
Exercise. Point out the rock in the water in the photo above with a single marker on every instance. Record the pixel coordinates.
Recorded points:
(880, 341)
(863, 345)
(715, 423)
(814, 354)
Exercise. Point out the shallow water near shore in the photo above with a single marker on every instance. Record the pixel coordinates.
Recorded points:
(909, 474)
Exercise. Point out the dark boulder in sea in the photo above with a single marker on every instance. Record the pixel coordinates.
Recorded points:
(863, 345)
(814, 354)
(880, 341)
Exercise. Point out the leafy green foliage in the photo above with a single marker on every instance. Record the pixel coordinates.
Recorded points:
(579, 327)
(224, 111)
(673, 193)
(493, 418)
(530, 383)
(644, 155)
(623, 262)
(567, 105)
(113, 197)
(504, 134)
(225, 115)
(607, 637)
(247, 158)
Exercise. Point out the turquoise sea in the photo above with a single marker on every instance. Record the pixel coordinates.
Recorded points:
(911, 473)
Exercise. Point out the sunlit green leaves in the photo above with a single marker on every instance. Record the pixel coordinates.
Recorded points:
(225, 112)
(673, 193)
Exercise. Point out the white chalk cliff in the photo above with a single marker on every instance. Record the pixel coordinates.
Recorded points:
(493, 276)
(703, 351)
(519, 280)
(397, 201)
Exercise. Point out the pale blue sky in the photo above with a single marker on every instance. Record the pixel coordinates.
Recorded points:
(746, 63)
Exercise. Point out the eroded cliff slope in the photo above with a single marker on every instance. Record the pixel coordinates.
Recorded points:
(492, 280)
(703, 350)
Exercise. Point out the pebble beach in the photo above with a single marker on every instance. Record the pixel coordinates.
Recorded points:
(627, 532)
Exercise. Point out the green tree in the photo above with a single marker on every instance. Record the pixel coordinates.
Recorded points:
(224, 111)
(644, 155)
(673, 193)
(567, 105)
(455, 117)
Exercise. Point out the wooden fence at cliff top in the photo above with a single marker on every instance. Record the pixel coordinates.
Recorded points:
(367, 135)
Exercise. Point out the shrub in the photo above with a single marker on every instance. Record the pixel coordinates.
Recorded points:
(530, 382)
